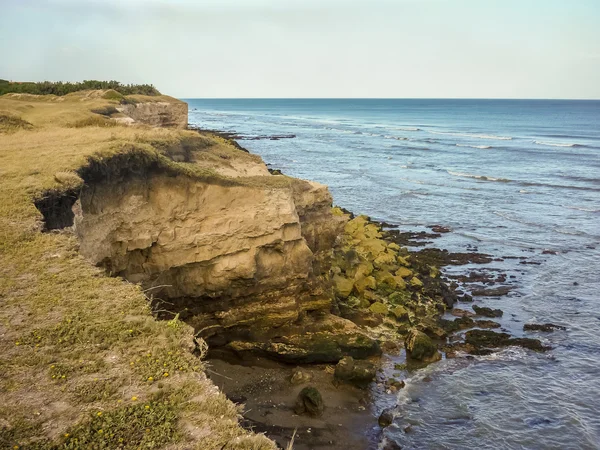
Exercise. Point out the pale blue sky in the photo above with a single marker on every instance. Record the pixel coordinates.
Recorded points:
(311, 48)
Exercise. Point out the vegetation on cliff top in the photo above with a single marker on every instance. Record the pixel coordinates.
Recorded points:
(83, 362)
(64, 88)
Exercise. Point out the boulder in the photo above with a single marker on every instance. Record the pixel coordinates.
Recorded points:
(415, 282)
(386, 278)
(486, 339)
(360, 373)
(420, 347)
(403, 261)
(400, 313)
(378, 308)
(404, 272)
(386, 418)
(364, 283)
(487, 312)
(300, 376)
(309, 402)
(343, 286)
(400, 283)
(384, 259)
(547, 327)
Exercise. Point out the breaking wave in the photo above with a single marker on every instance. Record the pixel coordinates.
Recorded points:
(558, 144)
(477, 136)
(483, 147)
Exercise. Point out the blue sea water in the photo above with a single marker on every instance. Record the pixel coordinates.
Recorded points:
(510, 177)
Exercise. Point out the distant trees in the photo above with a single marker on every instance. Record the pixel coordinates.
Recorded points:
(63, 88)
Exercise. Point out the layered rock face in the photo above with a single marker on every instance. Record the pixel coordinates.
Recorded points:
(245, 264)
(172, 114)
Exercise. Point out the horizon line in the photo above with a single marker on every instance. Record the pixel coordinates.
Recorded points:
(389, 98)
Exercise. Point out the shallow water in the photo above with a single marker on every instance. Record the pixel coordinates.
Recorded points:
(512, 177)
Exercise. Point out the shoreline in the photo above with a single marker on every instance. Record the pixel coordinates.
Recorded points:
(357, 409)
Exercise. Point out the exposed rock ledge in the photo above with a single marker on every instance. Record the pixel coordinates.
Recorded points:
(171, 114)
(246, 263)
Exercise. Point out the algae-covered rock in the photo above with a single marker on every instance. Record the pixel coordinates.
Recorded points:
(371, 248)
(378, 308)
(546, 327)
(415, 282)
(385, 278)
(363, 269)
(384, 259)
(400, 283)
(404, 272)
(486, 338)
(393, 246)
(403, 261)
(420, 347)
(372, 231)
(360, 373)
(357, 302)
(399, 297)
(364, 283)
(400, 313)
(487, 312)
(309, 402)
(337, 211)
(343, 286)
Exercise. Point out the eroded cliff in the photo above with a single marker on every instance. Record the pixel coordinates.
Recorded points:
(245, 260)
(156, 111)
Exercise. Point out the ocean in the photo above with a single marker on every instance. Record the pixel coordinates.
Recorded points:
(511, 178)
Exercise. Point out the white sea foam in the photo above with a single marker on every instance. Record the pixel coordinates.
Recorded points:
(407, 128)
(477, 136)
(557, 144)
(483, 147)
(478, 177)
(577, 208)
(396, 137)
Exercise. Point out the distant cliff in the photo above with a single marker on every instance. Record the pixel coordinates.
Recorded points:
(159, 111)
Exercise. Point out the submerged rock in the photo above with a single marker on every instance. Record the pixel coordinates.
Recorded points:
(487, 312)
(487, 324)
(546, 327)
(386, 418)
(420, 347)
(309, 402)
(491, 292)
(486, 339)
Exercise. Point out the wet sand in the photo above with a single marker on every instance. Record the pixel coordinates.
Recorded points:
(265, 389)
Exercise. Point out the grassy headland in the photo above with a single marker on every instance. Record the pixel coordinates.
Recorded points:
(83, 363)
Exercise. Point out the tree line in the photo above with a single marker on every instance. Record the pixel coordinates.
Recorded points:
(63, 88)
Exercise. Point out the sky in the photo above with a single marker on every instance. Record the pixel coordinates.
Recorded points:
(311, 48)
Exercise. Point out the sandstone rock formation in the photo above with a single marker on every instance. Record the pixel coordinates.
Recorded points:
(170, 114)
(244, 260)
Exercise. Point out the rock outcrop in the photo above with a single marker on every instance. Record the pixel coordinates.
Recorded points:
(171, 114)
(245, 260)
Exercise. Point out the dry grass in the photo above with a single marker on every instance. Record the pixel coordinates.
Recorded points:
(83, 364)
